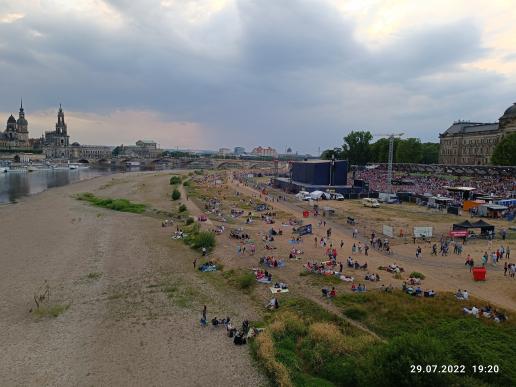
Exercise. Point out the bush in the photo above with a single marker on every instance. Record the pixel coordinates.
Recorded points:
(189, 221)
(416, 274)
(186, 183)
(204, 239)
(199, 172)
(174, 180)
(176, 195)
(246, 281)
(182, 208)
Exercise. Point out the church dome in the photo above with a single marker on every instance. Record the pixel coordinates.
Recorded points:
(510, 112)
(11, 120)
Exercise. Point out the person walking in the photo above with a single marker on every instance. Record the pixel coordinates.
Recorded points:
(195, 263)
(204, 320)
(505, 267)
(341, 243)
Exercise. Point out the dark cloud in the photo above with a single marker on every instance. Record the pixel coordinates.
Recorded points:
(260, 72)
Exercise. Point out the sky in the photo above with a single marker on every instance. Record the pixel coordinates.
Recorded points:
(205, 74)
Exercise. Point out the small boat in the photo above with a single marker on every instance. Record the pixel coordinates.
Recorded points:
(131, 164)
(4, 169)
(73, 166)
(31, 168)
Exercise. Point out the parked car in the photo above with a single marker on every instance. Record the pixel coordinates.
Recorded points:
(368, 202)
(337, 196)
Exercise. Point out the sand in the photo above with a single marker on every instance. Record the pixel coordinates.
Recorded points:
(442, 273)
(121, 328)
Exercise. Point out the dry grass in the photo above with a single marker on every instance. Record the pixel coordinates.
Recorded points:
(330, 335)
(267, 355)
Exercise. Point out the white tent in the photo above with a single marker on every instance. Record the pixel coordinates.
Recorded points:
(316, 195)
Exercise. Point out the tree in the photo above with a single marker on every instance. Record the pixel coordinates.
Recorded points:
(430, 153)
(505, 151)
(329, 153)
(356, 147)
(116, 151)
(409, 151)
(380, 150)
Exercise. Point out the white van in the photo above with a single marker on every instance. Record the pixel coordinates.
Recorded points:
(368, 202)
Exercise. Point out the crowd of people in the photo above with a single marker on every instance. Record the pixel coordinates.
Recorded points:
(433, 184)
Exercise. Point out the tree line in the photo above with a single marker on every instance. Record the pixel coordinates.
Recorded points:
(358, 149)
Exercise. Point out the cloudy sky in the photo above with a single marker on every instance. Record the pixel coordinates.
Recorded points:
(213, 73)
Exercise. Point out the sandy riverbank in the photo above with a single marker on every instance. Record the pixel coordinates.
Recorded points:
(134, 322)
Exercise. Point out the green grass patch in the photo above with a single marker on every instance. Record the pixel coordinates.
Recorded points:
(182, 208)
(50, 310)
(122, 205)
(305, 345)
(93, 276)
(416, 274)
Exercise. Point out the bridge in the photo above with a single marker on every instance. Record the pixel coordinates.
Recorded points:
(193, 163)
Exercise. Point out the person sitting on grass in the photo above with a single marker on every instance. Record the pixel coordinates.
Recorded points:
(353, 287)
(273, 304)
(215, 322)
(473, 311)
(333, 293)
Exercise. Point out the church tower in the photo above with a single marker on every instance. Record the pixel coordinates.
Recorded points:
(60, 125)
(22, 127)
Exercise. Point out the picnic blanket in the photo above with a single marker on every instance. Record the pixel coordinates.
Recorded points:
(278, 290)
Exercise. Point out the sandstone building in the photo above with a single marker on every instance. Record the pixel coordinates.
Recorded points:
(473, 143)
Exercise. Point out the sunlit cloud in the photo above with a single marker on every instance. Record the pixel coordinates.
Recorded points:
(11, 17)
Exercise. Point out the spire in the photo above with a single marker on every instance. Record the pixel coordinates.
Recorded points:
(21, 103)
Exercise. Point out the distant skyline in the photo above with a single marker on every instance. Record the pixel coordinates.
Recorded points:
(207, 74)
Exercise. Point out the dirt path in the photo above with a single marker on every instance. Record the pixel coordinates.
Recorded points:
(134, 298)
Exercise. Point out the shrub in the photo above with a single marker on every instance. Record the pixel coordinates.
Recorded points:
(199, 172)
(186, 183)
(204, 239)
(174, 180)
(189, 220)
(176, 195)
(182, 208)
(246, 281)
(416, 274)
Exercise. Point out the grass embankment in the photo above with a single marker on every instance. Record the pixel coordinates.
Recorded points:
(122, 205)
(304, 345)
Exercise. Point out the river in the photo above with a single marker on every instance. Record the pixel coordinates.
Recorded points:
(14, 185)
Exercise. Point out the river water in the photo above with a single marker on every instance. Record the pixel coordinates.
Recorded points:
(14, 185)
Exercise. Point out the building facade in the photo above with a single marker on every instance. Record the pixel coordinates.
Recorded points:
(146, 149)
(473, 143)
(16, 133)
(264, 152)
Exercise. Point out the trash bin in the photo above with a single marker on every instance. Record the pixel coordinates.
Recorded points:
(479, 273)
